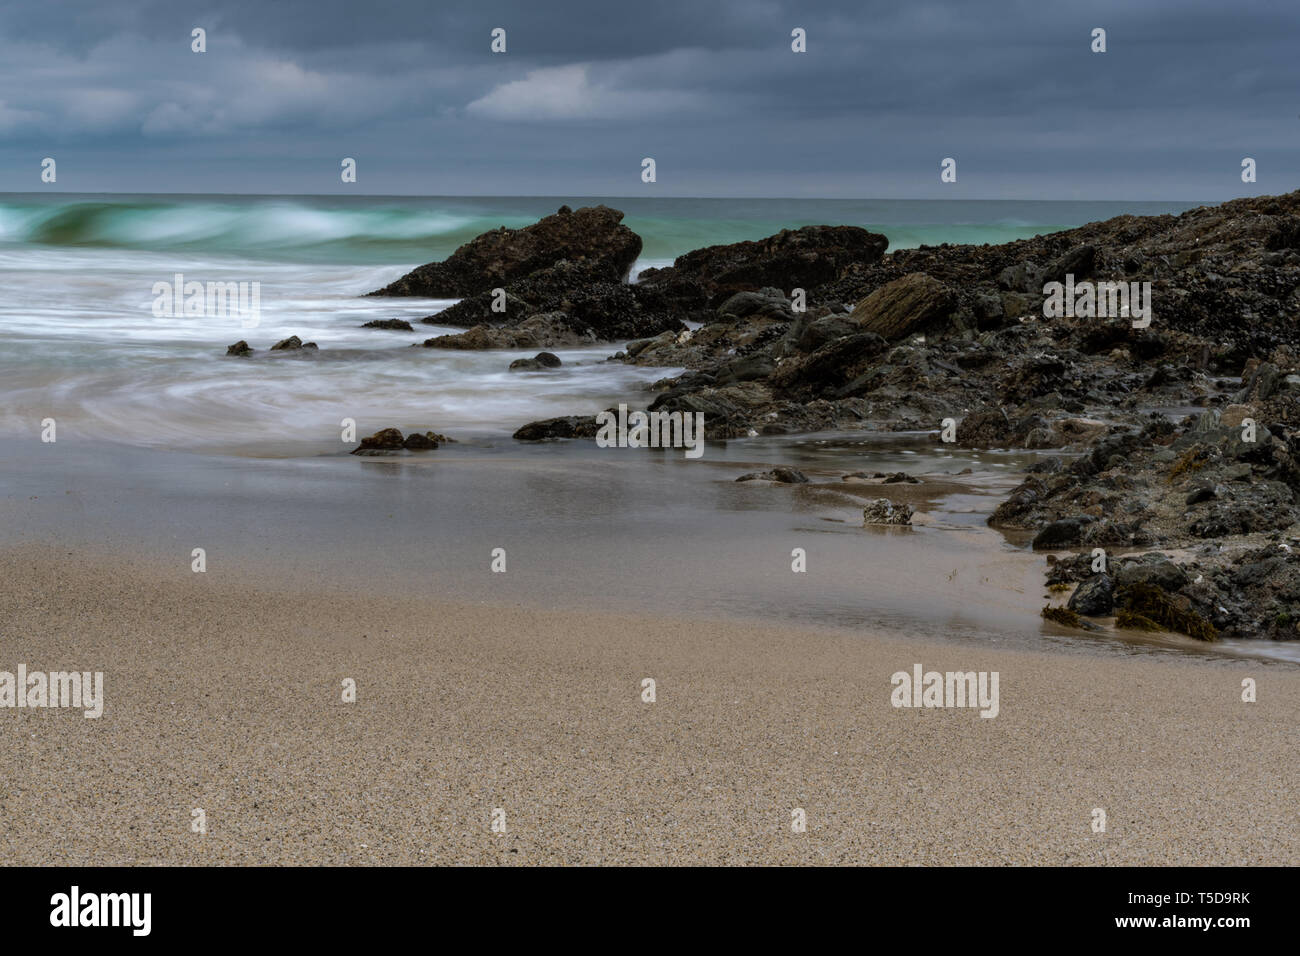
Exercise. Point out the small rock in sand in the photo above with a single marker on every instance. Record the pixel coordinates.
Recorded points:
(789, 476)
(292, 343)
(884, 511)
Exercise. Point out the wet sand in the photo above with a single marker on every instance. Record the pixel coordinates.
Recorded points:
(223, 692)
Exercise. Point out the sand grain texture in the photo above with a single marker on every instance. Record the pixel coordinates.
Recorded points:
(226, 695)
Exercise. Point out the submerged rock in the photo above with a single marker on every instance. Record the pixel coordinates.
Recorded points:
(239, 348)
(395, 325)
(539, 362)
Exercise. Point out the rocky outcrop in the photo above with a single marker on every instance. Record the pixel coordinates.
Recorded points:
(990, 359)
(393, 325)
(595, 308)
(805, 258)
(592, 235)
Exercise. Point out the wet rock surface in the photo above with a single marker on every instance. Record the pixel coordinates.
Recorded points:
(538, 363)
(388, 441)
(788, 476)
(546, 330)
(593, 235)
(806, 258)
(292, 343)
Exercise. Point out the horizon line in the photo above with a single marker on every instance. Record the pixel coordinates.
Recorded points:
(574, 196)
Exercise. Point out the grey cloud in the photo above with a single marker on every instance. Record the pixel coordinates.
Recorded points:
(711, 90)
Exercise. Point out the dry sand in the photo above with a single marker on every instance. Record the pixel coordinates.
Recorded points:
(225, 695)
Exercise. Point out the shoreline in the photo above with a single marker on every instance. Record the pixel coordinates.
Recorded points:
(633, 532)
(226, 698)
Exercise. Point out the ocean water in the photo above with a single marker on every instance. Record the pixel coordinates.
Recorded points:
(80, 343)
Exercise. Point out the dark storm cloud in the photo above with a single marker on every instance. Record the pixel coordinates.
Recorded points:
(710, 89)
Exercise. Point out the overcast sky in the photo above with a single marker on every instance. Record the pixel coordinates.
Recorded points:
(711, 90)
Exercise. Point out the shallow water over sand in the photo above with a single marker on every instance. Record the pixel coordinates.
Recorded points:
(616, 529)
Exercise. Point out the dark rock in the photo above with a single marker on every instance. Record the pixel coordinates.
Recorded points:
(417, 442)
(793, 258)
(527, 365)
(987, 425)
(477, 310)
(766, 301)
(595, 306)
(554, 329)
(1094, 597)
(1261, 383)
(572, 426)
(810, 336)
(239, 348)
(395, 325)
(1021, 277)
(387, 439)
(784, 475)
(831, 366)
(1063, 533)
(745, 369)
(593, 235)
(1077, 262)
(1153, 569)
(292, 343)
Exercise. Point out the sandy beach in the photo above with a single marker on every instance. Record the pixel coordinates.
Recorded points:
(225, 694)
